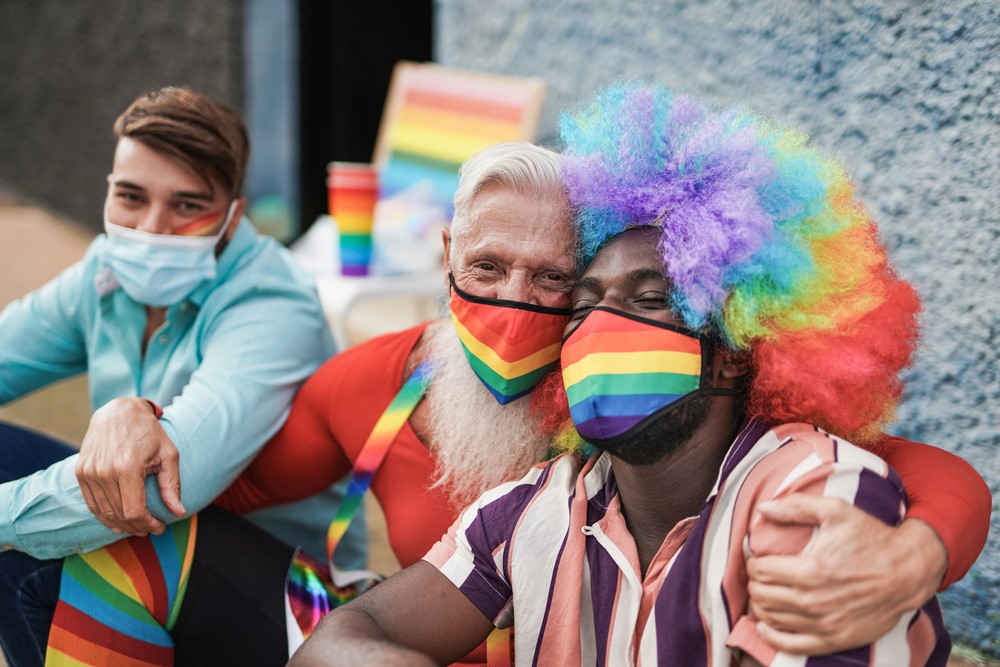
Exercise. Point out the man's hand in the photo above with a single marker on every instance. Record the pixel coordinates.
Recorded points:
(850, 586)
(123, 445)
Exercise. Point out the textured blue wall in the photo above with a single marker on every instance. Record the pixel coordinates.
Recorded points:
(907, 93)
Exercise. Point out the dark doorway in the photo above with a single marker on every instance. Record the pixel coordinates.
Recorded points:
(346, 54)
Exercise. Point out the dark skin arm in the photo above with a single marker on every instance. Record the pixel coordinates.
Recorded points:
(416, 617)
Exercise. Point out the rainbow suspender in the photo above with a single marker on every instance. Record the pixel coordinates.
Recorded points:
(373, 453)
(314, 590)
(311, 594)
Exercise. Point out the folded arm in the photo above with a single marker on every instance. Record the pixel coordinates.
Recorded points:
(124, 445)
(255, 354)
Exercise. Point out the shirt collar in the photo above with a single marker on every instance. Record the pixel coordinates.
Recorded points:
(599, 478)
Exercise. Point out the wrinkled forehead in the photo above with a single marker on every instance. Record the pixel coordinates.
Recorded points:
(548, 206)
(503, 220)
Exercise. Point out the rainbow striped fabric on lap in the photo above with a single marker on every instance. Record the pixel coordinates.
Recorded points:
(135, 587)
(619, 369)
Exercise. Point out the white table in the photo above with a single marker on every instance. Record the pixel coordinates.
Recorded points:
(316, 251)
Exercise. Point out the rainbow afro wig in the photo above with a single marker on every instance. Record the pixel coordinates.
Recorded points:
(764, 242)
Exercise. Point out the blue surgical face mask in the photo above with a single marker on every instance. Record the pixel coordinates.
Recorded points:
(160, 270)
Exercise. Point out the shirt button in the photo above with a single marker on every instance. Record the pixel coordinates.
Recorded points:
(164, 338)
(77, 550)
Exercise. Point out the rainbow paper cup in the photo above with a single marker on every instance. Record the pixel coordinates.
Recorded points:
(352, 188)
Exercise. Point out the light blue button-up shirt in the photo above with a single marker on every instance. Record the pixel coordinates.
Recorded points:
(224, 366)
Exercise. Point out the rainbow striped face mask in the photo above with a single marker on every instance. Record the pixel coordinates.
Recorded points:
(510, 345)
(623, 372)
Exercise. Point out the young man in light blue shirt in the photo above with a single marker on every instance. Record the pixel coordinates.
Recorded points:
(181, 304)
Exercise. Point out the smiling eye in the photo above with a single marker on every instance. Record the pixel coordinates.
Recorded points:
(652, 303)
(486, 266)
(554, 281)
(581, 308)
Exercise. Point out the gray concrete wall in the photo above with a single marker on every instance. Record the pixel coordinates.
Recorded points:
(906, 92)
(71, 66)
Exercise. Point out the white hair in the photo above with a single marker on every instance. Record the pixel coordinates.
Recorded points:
(526, 168)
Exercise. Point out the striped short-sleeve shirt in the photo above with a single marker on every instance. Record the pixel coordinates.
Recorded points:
(552, 555)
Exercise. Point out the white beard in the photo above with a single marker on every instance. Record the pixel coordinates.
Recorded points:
(477, 442)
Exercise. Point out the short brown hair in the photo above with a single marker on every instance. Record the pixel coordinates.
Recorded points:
(207, 137)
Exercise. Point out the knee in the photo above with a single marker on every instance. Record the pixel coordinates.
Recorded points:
(23, 452)
(28, 580)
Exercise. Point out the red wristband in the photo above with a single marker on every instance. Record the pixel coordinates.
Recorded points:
(157, 410)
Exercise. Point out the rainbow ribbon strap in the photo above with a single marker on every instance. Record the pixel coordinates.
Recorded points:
(314, 590)
(374, 450)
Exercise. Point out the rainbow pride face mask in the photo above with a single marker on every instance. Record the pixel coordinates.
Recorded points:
(623, 372)
(510, 345)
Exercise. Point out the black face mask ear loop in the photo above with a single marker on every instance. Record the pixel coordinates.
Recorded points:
(710, 341)
(506, 303)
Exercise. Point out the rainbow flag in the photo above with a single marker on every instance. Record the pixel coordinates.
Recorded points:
(438, 117)
(618, 371)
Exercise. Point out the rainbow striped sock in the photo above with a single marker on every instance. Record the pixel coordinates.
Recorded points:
(118, 604)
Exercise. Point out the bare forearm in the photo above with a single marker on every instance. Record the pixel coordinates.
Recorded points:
(348, 637)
